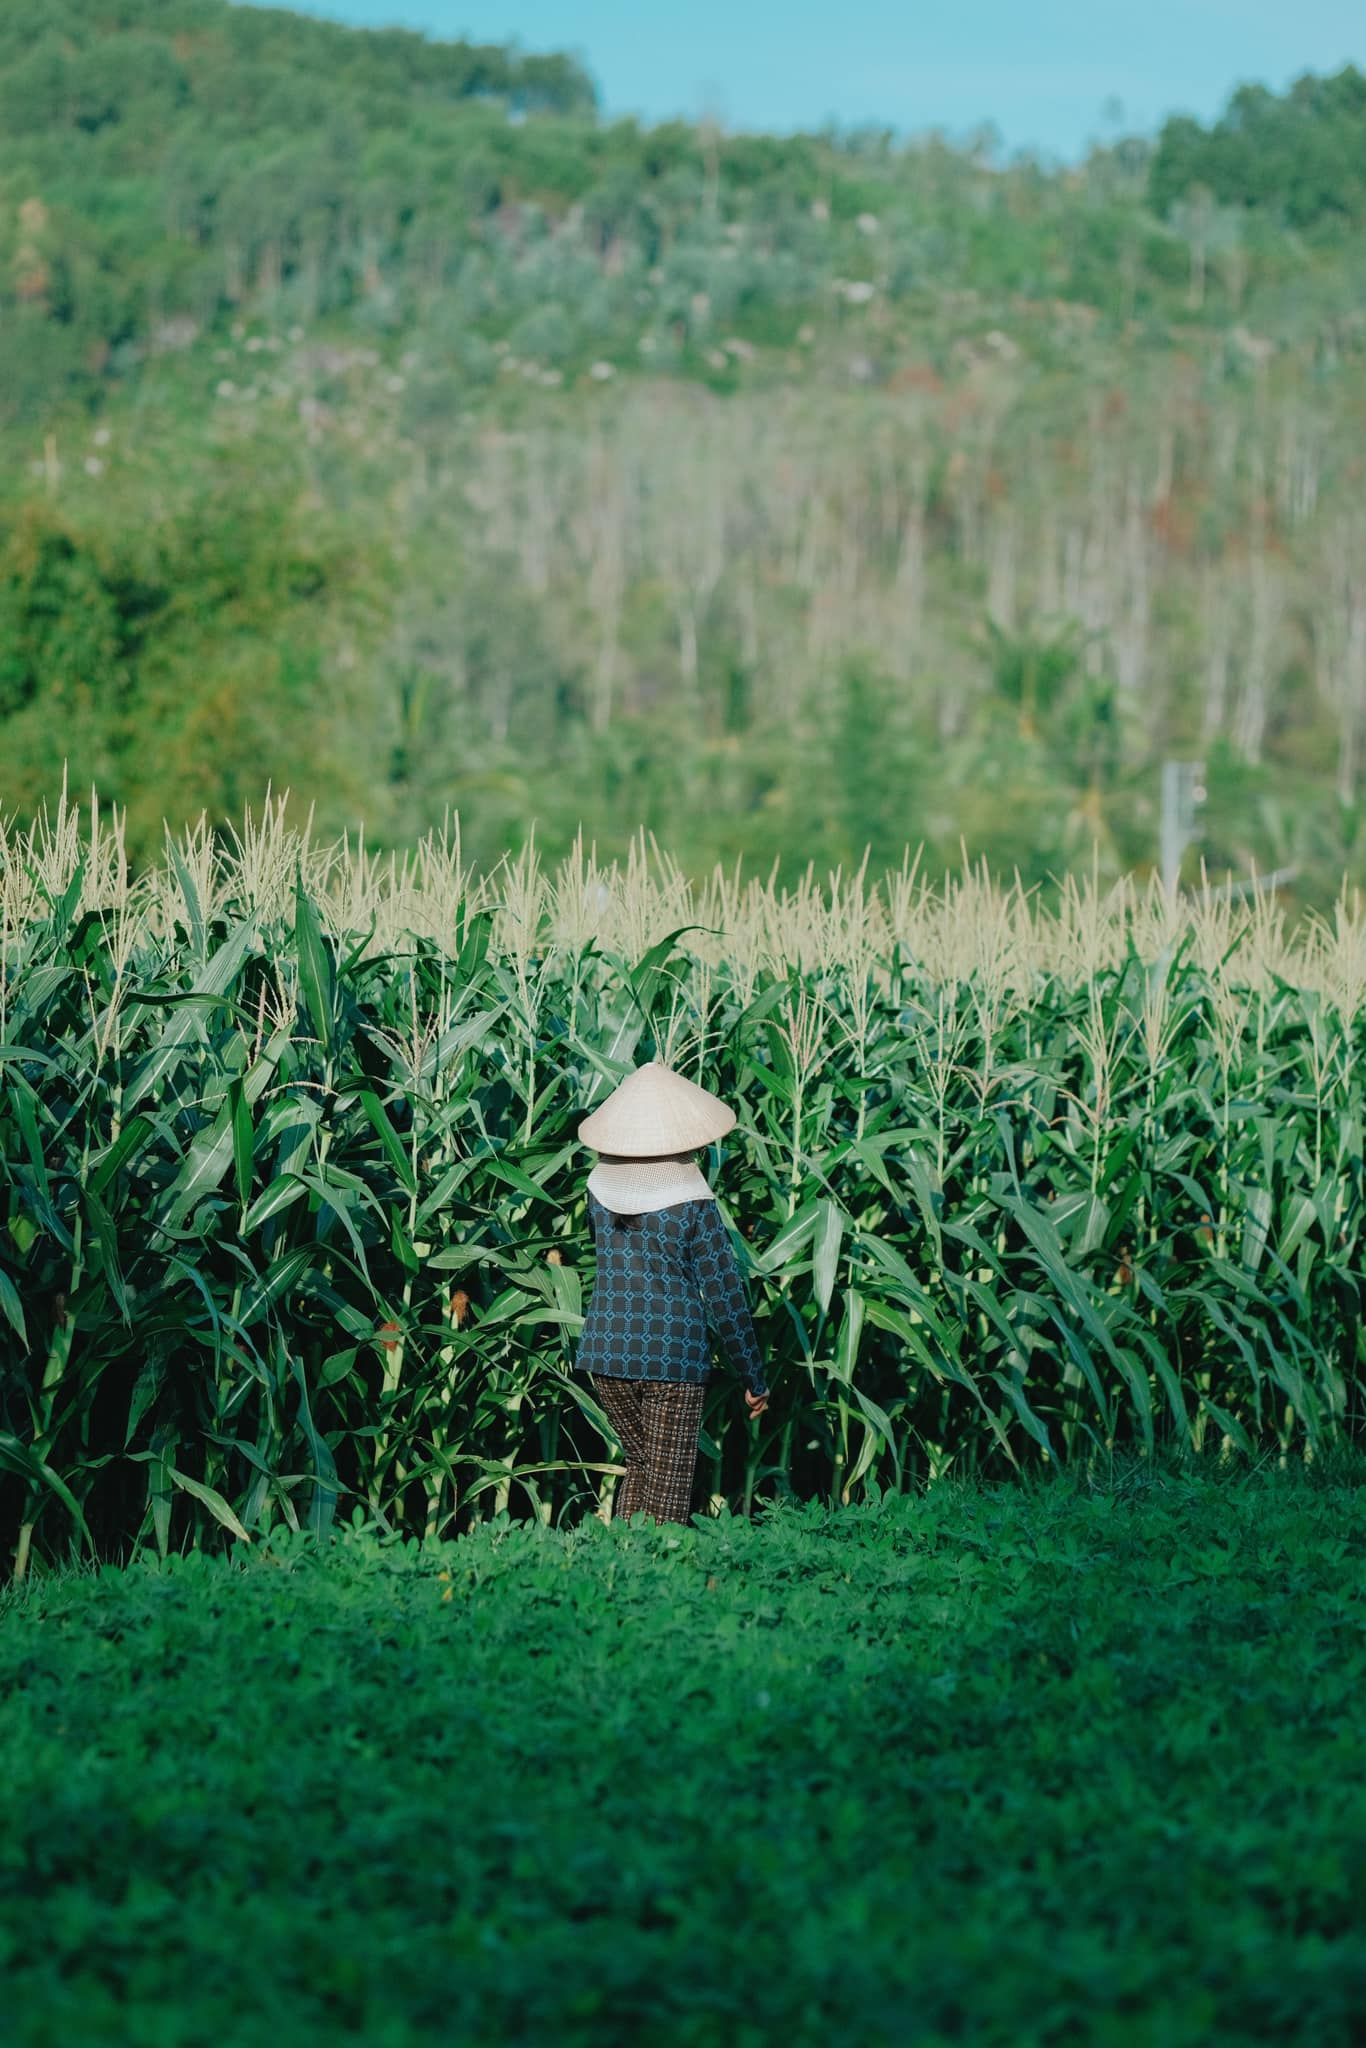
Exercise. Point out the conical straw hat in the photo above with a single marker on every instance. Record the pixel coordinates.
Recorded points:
(654, 1112)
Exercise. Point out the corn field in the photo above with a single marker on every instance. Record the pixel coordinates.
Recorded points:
(293, 1216)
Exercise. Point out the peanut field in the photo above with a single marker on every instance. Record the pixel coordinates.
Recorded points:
(1017, 1764)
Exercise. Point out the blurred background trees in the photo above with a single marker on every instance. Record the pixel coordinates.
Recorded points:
(383, 423)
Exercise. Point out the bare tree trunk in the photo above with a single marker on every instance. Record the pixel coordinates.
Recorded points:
(747, 607)
(1132, 644)
(537, 525)
(691, 526)
(1166, 463)
(1228, 433)
(1353, 701)
(1074, 572)
(1340, 649)
(1297, 470)
(1217, 624)
(491, 490)
(1048, 582)
(1267, 605)
(909, 592)
(1233, 264)
(600, 533)
(372, 243)
(608, 585)
(687, 644)
(1001, 574)
(1250, 724)
(269, 267)
(311, 273)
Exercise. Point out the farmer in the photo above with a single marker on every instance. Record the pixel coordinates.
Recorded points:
(665, 1270)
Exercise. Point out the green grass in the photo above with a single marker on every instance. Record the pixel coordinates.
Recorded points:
(1034, 1764)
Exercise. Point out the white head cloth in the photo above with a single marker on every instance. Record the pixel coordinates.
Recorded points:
(634, 1187)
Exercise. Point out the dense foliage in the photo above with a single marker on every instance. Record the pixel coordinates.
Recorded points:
(380, 421)
(292, 1206)
(1301, 156)
(1014, 1766)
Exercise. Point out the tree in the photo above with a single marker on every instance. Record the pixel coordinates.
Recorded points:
(1302, 154)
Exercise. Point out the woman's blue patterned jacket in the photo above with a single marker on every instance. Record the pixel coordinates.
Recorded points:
(662, 1278)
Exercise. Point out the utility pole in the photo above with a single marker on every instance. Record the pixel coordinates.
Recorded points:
(1183, 791)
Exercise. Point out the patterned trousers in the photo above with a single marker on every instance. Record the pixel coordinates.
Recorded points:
(658, 1423)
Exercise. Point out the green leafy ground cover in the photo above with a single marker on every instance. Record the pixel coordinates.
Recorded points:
(1037, 1764)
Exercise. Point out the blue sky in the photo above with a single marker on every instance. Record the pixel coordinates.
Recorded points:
(1042, 70)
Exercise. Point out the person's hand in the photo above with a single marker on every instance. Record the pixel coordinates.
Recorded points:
(756, 1403)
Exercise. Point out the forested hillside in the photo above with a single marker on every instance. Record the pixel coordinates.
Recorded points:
(381, 421)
